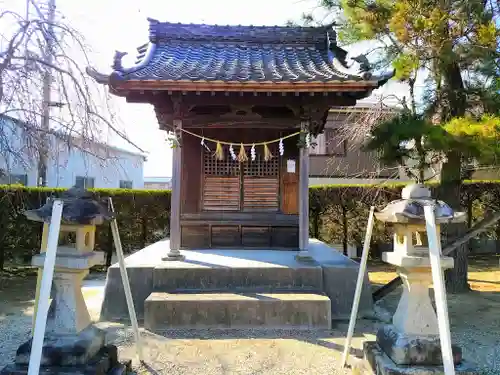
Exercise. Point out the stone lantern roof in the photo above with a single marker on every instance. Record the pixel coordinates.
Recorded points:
(410, 209)
(78, 208)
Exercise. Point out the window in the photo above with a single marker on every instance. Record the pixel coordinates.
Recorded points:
(14, 179)
(125, 184)
(84, 182)
(334, 142)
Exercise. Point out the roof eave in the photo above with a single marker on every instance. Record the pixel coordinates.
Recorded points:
(235, 86)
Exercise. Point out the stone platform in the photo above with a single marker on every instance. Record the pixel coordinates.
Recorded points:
(268, 282)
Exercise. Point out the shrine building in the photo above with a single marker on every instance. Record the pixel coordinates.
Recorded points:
(243, 103)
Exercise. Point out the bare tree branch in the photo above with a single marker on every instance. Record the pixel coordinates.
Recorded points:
(84, 112)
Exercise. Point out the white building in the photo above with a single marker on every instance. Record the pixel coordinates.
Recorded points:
(158, 183)
(70, 163)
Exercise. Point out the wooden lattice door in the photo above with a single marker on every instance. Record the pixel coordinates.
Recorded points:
(221, 184)
(233, 186)
(261, 184)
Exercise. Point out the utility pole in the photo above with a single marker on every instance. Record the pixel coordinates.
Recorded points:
(47, 85)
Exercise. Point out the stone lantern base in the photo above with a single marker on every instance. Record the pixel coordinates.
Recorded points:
(84, 353)
(381, 364)
(72, 344)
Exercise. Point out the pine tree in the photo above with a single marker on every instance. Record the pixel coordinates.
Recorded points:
(453, 42)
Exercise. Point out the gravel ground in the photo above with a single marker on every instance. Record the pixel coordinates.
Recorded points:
(474, 318)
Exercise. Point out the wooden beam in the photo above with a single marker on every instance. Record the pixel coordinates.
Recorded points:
(175, 200)
(304, 194)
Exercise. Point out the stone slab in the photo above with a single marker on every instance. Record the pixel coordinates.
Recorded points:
(237, 310)
(406, 349)
(339, 284)
(65, 350)
(378, 363)
(114, 305)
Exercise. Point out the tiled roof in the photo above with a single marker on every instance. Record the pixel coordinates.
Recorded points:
(244, 54)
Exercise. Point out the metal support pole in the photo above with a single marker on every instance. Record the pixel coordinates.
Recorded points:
(439, 290)
(359, 285)
(46, 285)
(126, 283)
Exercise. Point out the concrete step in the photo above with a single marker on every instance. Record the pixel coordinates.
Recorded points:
(237, 310)
(167, 278)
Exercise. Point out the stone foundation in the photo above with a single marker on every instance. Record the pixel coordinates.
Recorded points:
(235, 271)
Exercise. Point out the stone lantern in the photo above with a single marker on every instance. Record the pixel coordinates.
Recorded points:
(412, 340)
(71, 340)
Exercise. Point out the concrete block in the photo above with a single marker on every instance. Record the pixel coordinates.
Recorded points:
(237, 310)
(339, 284)
(114, 306)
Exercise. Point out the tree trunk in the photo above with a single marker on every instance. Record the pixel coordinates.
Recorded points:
(315, 220)
(497, 240)
(345, 233)
(109, 250)
(453, 105)
(449, 191)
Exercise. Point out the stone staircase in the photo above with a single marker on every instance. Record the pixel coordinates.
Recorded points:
(243, 297)
(235, 289)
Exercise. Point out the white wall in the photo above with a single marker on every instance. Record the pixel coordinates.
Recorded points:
(107, 168)
(15, 157)
(107, 165)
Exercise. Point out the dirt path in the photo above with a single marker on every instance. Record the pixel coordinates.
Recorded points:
(474, 318)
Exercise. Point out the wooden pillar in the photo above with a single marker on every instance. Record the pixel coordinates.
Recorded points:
(303, 254)
(175, 205)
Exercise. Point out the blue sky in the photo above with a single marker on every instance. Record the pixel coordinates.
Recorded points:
(110, 25)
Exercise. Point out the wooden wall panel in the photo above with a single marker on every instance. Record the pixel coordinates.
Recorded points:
(226, 236)
(285, 237)
(290, 191)
(256, 237)
(191, 174)
(195, 236)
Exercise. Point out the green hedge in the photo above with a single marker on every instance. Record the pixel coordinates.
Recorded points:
(338, 214)
(143, 216)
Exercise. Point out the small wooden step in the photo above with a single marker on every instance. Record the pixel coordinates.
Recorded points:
(237, 310)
